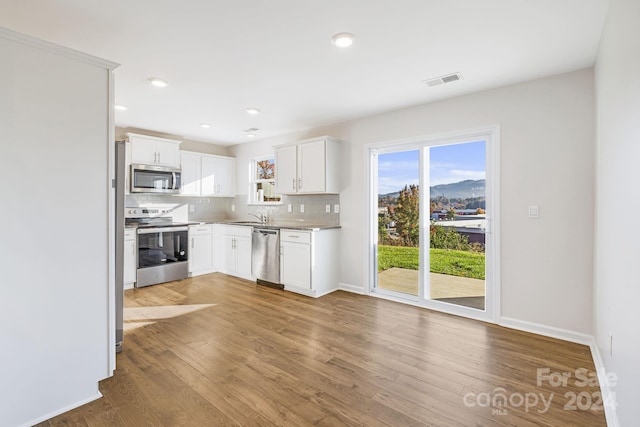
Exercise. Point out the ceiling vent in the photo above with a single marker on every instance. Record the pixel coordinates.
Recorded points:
(443, 79)
(251, 130)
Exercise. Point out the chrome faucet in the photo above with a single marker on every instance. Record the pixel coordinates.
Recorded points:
(262, 218)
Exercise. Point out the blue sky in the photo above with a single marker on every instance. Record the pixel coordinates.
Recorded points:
(448, 163)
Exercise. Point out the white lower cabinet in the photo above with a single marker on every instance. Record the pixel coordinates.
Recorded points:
(295, 259)
(130, 258)
(200, 249)
(233, 250)
(309, 261)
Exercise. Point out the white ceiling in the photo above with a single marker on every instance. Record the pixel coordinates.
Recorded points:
(221, 57)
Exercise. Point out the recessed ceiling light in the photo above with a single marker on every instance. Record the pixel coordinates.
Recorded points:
(251, 135)
(120, 107)
(252, 111)
(158, 82)
(343, 39)
(205, 125)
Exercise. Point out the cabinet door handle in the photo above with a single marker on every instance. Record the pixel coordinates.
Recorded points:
(192, 240)
(158, 157)
(293, 186)
(294, 237)
(299, 183)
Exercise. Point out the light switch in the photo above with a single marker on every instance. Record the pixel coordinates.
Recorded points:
(336, 208)
(192, 208)
(327, 208)
(534, 211)
(289, 208)
(301, 208)
(233, 207)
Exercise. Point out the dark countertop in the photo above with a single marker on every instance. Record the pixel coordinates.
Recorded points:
(278, 225)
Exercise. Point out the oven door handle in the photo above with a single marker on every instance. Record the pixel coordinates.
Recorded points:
(152, 230)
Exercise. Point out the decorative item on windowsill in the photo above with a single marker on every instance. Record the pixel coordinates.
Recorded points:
(261, 195)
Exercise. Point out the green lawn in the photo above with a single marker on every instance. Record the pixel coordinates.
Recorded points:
(445, 261)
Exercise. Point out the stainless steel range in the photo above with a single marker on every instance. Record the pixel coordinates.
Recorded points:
(163, 249)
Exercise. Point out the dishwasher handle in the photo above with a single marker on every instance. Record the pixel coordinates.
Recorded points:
(265, 231)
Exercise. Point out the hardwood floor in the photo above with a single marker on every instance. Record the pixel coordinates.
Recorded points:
(216, 350)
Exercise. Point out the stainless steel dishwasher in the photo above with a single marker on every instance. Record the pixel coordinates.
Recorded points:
(265, 256)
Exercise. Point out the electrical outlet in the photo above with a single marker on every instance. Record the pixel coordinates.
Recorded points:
(192, 208)
(327, 208)
(534, 211)
(233, 207)
(289, 208)
(336, 208)
(301, 208)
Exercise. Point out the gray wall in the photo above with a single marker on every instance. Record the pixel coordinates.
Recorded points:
(616, 290)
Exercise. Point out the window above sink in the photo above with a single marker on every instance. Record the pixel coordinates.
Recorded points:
(263, 179)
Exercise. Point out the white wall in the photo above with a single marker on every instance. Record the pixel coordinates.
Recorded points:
(617, 280)
(54, 269)
(547, 159)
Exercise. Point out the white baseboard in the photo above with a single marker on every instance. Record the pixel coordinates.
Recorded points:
(351, 288)
(548, 331)
(608, 396)
(57, 412)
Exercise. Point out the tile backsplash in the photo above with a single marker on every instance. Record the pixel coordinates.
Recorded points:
(214, 208)
(314, 209)
(185, 208)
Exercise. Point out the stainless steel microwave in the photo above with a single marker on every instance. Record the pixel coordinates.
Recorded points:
(155, 179)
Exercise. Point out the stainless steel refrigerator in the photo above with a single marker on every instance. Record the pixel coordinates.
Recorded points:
(119, 186)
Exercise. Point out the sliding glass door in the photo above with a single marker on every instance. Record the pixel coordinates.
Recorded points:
(432, 204)
(398, 212)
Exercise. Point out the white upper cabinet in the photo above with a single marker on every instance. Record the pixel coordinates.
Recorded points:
(312, 167)
(190, 164)
(207, 175)
(150, 150)
(286, 169)
(308, 167)
(224, 184)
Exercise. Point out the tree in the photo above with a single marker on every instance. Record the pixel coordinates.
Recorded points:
(451, 214)
(407, 215)
(383, 233)
(448, 238)
(266, 169)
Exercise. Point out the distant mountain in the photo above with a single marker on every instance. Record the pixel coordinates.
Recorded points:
(458, 190)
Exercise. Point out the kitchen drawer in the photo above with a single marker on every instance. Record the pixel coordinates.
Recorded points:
(237, 230)
(129, 233)
(295, 236)
(200, 229)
